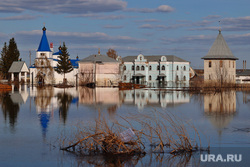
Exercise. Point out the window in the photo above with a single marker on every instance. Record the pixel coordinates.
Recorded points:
(209, 77)
(233, 64)
(221, 63)
(124, 68)
(150, 68)
(177, 78)
(137, 68)
(209, 64)
(133, 68)
(142, 68)
(150, 77)
(177, 68)
(22, 73)
(163, 68)
(140, 58)
(184, 68)
(42, 54)
(158, 67)
(229, 63)
(184, 78)
(124, 77)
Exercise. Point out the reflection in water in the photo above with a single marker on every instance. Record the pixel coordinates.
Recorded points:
(64, 101)
(108, 160)
(220, 108)
(10, 109)
(43, 106)
(143, 98)
(112, 98)
(100, 98)
(150, 159)
(48, 99)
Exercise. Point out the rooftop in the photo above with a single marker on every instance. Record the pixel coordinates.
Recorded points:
(220, 50)
(156, 58)
(98, 58)
(44, 44)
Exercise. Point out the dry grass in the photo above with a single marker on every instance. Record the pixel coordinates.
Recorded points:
(102, 139)
(163, 131)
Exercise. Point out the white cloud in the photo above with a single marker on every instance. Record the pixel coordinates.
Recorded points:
(62, 6)
(80, 37)
(162, 8)
(99, 16)
(165, 8)
(20, 17)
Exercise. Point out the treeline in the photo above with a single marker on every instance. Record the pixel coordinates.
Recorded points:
(9, 54)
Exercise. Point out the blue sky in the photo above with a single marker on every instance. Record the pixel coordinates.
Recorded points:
(183, 28)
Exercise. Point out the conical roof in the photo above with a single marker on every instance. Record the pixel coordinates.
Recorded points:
(44, 44)
(220, 50)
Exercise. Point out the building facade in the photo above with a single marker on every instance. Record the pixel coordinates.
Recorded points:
(99, 69)
(220, 63)
(42, 71)
(167, 70)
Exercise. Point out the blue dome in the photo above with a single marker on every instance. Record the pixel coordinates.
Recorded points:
(44, 44)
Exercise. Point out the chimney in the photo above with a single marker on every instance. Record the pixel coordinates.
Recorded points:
(245, 64)
(99, 52)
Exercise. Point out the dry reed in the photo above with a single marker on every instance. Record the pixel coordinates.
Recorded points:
(162, 130)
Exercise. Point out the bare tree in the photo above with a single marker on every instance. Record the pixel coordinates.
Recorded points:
(44, 70)
(112, 53)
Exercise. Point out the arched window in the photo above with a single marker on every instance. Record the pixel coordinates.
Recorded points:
(142, 68)
(184, 68)
(137, 68)
(209, 64)
(163, 68)
(124, 77)
(177, 78)
(150, 77)
(158, 67)
(184, 78)
(177, 68)
(124, 68)
(133, 68)
(150, 68)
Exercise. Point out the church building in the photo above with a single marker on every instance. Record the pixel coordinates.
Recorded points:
(42, 71)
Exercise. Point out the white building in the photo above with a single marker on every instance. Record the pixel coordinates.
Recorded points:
(19, 71)
(46, 60)
(167, 70)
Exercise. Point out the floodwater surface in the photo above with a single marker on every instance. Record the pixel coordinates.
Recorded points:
(33, 119)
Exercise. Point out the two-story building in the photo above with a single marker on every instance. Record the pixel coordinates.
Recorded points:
(167, 70)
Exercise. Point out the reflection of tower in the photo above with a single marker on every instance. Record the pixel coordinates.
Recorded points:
(45, 104)
(44, 118)
(220, 108)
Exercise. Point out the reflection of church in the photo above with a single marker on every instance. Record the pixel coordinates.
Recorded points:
(220, 108)
(46, 102)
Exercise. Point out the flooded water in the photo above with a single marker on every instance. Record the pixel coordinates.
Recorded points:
(32, 119)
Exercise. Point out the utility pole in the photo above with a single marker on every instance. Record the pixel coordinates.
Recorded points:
(30, 57)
